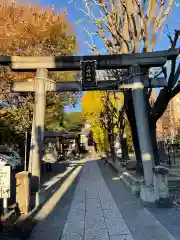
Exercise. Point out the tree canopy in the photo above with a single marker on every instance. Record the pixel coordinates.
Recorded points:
(92, 107)
(73, 121)
(95, 109)
(33, 30)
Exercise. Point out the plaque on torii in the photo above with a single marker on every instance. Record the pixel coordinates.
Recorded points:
(88, 74)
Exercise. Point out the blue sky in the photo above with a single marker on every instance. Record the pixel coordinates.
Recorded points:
(74, 15)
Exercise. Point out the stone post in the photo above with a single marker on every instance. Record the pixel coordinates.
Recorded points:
(147, 191)
(23, 191)
(161, 186)
(38, 129)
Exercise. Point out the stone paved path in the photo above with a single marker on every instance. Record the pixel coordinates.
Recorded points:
(94, 214)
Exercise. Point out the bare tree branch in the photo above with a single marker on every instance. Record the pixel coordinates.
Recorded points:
(127, 26)
(171, 80)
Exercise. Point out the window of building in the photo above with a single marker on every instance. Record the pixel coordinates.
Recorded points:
(178, 109)
(177, 99)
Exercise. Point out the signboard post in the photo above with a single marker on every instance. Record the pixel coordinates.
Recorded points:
(5, 184)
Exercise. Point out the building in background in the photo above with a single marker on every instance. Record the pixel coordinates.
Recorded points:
(167, 124)
(84, 134)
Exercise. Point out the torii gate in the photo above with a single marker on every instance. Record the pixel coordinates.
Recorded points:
(88, 65)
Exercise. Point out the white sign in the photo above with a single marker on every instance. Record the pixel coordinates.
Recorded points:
(5, 181)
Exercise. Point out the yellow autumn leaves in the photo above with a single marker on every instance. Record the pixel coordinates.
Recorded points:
(34, 30)
(94, 109)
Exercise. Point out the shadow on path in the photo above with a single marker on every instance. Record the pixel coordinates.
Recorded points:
(23, 228)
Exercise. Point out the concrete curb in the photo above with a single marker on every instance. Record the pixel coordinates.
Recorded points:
(129, 180)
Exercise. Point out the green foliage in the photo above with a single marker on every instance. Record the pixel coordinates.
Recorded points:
(73, 121)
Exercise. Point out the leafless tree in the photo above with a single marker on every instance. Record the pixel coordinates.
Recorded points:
(132, 26)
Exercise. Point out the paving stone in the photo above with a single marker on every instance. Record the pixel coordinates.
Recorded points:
(93, 221)
(107, 204)
(77, 208)
(92, 194)
(76, 227)
(104, 192)
(78, 203)
(79, 194)
(116, 227)
(115, 223)
(72, 237)
(76, 215)
(92, 203)
(94, 213)
(96, 234)
(121, 237)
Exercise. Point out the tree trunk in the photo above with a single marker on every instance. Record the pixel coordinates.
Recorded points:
(132, 120)
(122, 136)
(111, 144)
(152, 126)
(135, 138)
(124, 148)
(110, 136)
(77, 141)
(112, 147)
